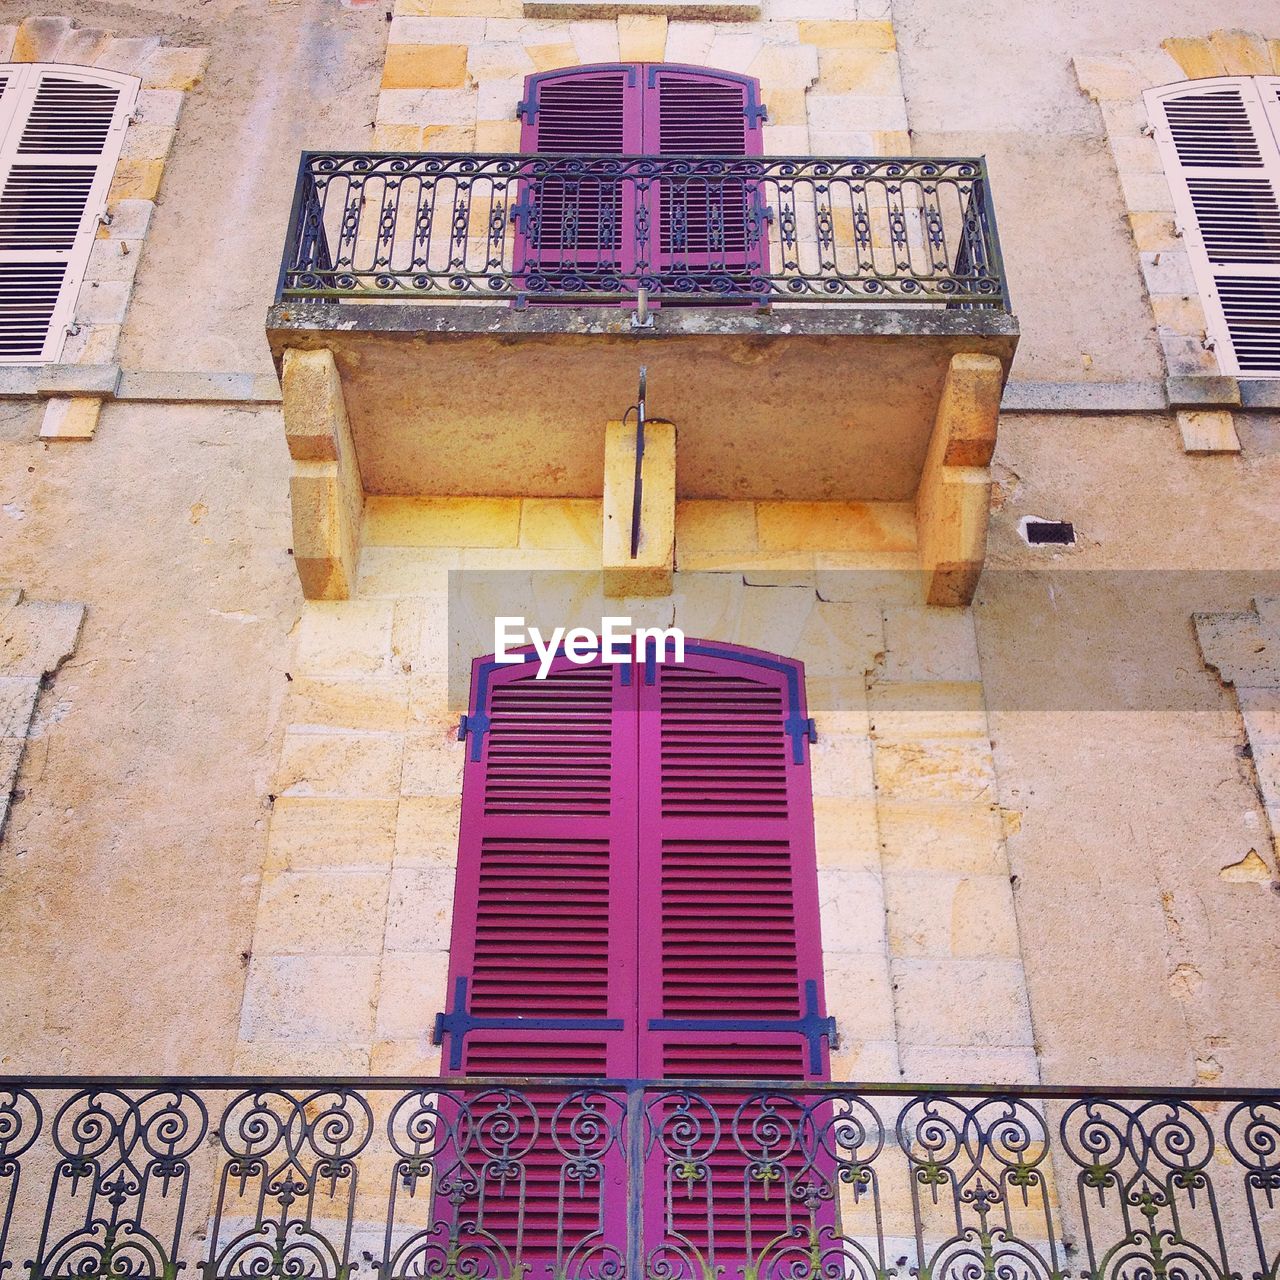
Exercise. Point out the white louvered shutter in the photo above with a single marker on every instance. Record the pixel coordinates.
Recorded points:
(1220, 141)
(61, 130)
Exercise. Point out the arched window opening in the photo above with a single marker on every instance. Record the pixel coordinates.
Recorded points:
(637, 898)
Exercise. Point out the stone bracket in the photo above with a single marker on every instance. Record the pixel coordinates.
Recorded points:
(651, 572)
(325, 490)
(953, 500)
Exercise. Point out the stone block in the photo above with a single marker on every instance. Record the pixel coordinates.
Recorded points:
(70, 418)
(932, 709)
(642, 37)
(411, 992)
(405, 1058)
(835, 113)
(159, 106)
(129, 220)
(442, 522)
(499, 60)
(872, 72)
(8, 33)
(835, 526)
(37, 39)
(838, 702)
(498, 135)
(37, 635)
(786, 139)
(103, 302)
(1187, 356)
(561, 522)
(449, 137)
(1261, 711)
(872, 1061)
(1198, 58)
(17, 701)
(432, 765)
(321, 912)
(774, 618)
(174, 68)
(378, 702)
(298, 1058)
(848, 35)
(930, 914)
(1108, 78)
(1243, 53)
(309, 832)
(427, 830)
(366, 765)
(424, 66)
(711, 525)
(345, 638)
(129, 55)
(928, 644)
(859, 996)
(784, 67)
(429, 106)
(978, 1004)
(94, 344)
(1136, 155)
(1178, 315)
(323, 1000)
(81, 46)
(734, 50)
(594, 41)
(840, 766)
(1146, 193)
(137, 179)
(650, 571)
(840, 639)
(965, 839)
(846, 833)
(1208, 431)
(852, 911)
(420, 909)
(946, 770)
(113, 260)
(690, 43)
(963, 1064)
(707, 605)
(550, 57)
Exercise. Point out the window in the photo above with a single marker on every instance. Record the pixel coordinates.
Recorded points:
(637, 898)
(61, 130)
(588, 222)
(1220, 140)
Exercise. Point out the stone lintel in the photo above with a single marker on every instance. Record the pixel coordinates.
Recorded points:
(325, 489)
(952, 504)
(650, 572)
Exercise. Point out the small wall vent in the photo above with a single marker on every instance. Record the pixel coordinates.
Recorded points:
(1047, 533)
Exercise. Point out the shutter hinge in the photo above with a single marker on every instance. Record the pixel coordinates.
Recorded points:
(811, 729)
(476, 725)
(757, 113)
(527, 110)
(520, 213)
(104, 218)
(462, 736)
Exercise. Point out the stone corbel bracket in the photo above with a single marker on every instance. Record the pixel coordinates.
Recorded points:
(325, 490)
(651, 572)
(954, 498)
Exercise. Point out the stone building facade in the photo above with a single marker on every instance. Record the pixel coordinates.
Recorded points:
(247, 569)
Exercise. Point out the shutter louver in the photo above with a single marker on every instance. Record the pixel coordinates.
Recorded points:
(1222, 159)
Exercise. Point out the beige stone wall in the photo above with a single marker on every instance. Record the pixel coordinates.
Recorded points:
(829, 73)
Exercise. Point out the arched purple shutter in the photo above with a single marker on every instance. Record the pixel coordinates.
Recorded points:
(637, 897)
(707, 226)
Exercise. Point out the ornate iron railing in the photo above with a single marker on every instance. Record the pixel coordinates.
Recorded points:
(600, 1180)
(599, 229)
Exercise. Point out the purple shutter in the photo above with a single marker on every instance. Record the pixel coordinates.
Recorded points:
(542, 956)
(730, 974)
(711, 225)
(575, 221)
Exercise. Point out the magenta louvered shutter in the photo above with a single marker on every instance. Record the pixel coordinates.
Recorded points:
(710, 224)
(574, 221)
(730, 974)
(542, 957)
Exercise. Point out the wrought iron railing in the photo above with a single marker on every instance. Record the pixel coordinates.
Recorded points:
(601, 228)
(597, 1180)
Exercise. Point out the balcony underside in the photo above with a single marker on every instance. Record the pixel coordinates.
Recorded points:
(807, 402)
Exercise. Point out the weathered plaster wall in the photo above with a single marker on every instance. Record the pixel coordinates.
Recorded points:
(128, 868)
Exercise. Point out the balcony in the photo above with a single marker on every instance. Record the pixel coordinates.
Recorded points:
(487, 315)
(318, 1179)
